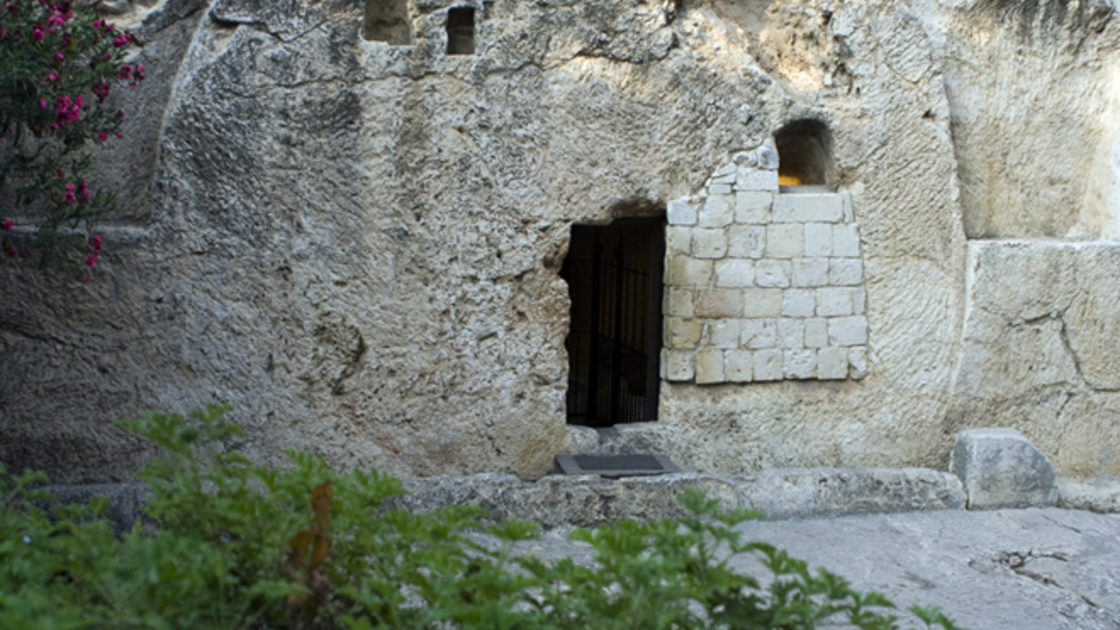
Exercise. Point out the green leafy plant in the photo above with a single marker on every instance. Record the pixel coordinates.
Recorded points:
(237, 545)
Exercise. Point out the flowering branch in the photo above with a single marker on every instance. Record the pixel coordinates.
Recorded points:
(58, 63)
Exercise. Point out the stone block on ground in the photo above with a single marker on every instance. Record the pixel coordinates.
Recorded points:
(1100, 495)
(1000, 468)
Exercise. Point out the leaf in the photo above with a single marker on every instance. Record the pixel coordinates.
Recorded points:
(320, 550)
(299, 544)
(321, 497)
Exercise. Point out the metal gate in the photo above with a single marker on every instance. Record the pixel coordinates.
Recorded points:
(615, 339)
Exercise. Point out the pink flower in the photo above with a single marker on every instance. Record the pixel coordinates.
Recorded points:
(120, 135)
(43, 103)
(85, 280)
(61, 175)
(59, 56)
(7, 224)
(102, 136)
(37, 34)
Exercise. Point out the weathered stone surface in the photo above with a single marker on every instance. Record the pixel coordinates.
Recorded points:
(779, 494)
(1100, 494)
(1018, 178)
(1039, 350)
(359, 244)
(1001, 469)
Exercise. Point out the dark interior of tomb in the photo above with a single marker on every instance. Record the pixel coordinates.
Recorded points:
(614, 279)
(460, 31)
(804, 148)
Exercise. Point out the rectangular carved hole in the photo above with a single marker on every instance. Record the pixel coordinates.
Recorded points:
(388, 21)
(460, 31)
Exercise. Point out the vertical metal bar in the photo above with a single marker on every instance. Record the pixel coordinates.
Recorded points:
(653, 330)
(593, 364)
(616, 359)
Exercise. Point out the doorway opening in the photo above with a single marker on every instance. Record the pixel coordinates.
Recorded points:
(614, 276)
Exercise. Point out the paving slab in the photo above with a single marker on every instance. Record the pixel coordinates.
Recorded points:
(1029, 569)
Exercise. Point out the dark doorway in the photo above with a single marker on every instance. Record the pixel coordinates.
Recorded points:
(460, 31)
(614, 279)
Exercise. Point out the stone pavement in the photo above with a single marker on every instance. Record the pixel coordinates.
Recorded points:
(1030, 569)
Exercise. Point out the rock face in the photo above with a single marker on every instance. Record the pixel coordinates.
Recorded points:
(1001, 469)
(359, 243)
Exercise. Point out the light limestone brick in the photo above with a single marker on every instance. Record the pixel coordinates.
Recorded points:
(805, 207)
(800, 364)
(845, 272)
(859, 301)
(746, 241)
(772, 273)
(678, 365)
(857, 362)
(785, 240)
(847, 331)
(709, 243)
(849, 212)
(734, 272)
(678, 240)
(845, 240)
(759, 333)
(832, 363)
(816, 332)
(818, 240)
(722, 333)
(679, 212)
(768, 157)
(834, 302)
(709, 367)
(810, 272)
(753, 206)
(799, 303)
(754, 179)
(719, 303)
(768, 365)
(683, 333)
(791, 333)
(726, 174)
(679, 302)
(738, 366)
(762, 303)
(688, 272)
(718, 212)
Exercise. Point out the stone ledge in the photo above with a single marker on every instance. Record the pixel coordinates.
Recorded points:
(1101, 495)
(779, 493)
(556, 500)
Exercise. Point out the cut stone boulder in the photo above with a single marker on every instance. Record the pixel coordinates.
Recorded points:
(1000, 468)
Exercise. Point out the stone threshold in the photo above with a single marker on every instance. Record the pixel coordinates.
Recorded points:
(589, 500)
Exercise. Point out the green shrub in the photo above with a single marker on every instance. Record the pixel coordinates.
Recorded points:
(237, 545)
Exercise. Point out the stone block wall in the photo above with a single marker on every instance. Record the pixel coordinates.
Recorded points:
(762, 284)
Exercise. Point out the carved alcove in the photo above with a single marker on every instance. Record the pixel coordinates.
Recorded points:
(805, 150)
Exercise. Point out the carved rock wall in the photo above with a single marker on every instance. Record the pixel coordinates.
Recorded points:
(359, 244)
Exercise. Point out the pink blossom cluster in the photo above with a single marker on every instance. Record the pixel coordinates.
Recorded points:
(82, 191)
(10, 249)
(94, 249)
